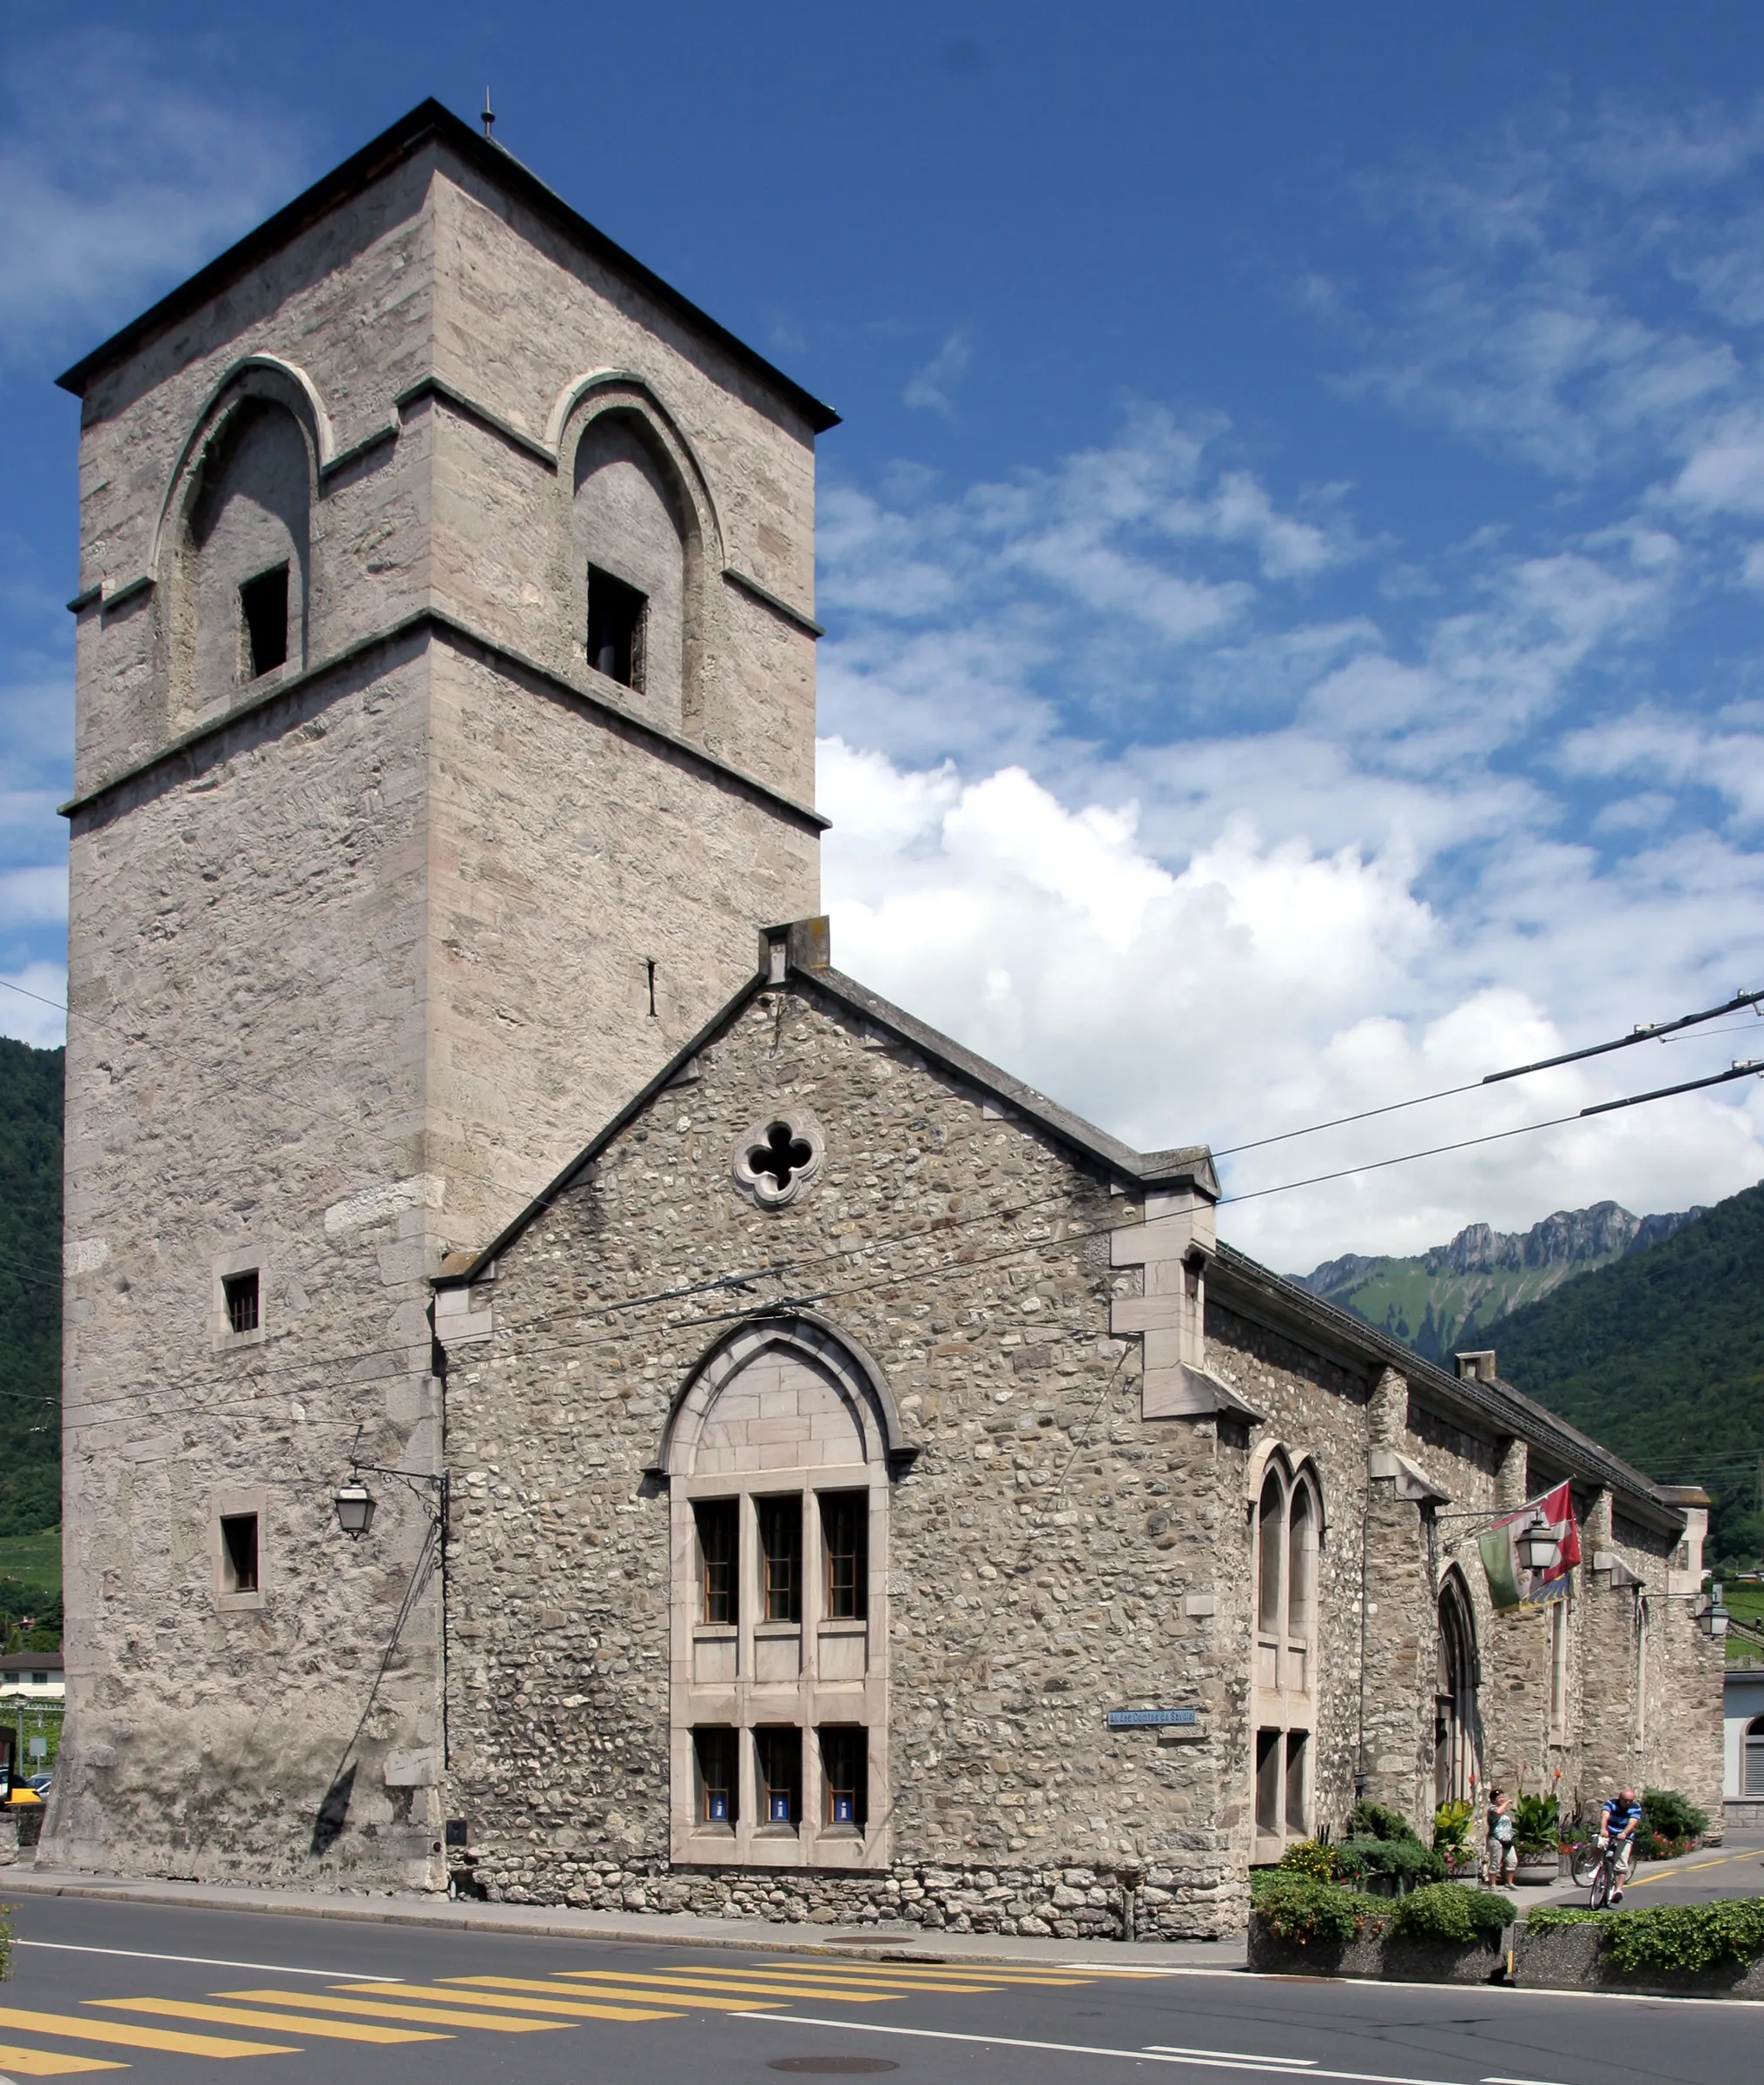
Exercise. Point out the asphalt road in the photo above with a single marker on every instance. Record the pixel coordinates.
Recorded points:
(1735, 1868)
(179, 1995)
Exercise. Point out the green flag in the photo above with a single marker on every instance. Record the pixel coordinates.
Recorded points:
(1501, 1566)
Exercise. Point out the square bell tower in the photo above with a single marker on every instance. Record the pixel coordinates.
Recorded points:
(445, 728)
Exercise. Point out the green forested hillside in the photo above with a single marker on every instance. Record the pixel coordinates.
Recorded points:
(1660, 1356)
(30, 1230)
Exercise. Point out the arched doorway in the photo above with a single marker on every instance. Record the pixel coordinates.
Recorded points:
(1752, 1782)
(1457, 1724)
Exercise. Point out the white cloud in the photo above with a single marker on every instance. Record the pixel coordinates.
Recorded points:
(1263, 986)
(31, 1003)
(930, 386)
(33, 896)
(117, 176)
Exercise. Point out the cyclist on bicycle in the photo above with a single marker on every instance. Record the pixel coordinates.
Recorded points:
(1620, 1822)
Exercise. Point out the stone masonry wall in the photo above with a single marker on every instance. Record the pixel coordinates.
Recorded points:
(244, 1060)
(347, 977)
(1041, 1546)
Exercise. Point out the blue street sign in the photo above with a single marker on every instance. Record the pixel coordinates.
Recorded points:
(1133, 1719)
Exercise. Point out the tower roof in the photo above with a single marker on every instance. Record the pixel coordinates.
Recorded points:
(429, 121)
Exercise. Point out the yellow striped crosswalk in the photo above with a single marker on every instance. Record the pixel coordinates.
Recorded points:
(572, 1997)
(280, 2023)
(241, 2015)
(505, 2002)
(45, 2064)
(69, 2027)
(425, 2015)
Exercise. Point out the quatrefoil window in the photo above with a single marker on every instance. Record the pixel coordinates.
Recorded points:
(777, 1159)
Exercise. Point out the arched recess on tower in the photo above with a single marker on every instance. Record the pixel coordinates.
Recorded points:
(233, 551)
(645, 544)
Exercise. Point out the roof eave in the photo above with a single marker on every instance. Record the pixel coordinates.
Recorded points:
(431, 119)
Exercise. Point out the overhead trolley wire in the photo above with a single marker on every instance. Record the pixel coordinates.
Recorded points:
(1657, 1032)
(895, 1276)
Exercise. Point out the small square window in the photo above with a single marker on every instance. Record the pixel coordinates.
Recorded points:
(718, 1797)
(263, 622)
(617, 615)
(778, 1750)
(239, 1553)
(845, 1774)
(240, 1292)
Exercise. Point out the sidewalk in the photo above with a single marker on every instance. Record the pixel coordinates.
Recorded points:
(1735, 1868)
(652, 1929)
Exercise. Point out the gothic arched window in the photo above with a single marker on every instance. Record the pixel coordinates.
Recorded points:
(776, 1461)
(241, 600)
(632, 533)
(1752, 1783)
(1288, 1534)
(1457, 1724)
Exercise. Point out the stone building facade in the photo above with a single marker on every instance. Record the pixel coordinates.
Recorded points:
(445, 722)
(1103, 1463)
(770, 1513)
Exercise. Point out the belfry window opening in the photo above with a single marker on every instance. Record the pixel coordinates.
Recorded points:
(618, 618)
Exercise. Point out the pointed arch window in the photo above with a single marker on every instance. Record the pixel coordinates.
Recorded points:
(777, 1466)
(1288, 1534)
(240, 585)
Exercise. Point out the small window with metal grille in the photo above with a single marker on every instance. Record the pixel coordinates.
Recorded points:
(239, 1553)
(845, 1539)
(263, 623)
(240, 1292)
(617, 621)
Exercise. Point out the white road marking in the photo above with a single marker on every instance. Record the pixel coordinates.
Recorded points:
(206, 1961)
(1221, 2061)
(1178, 2048)
(1518, 2082)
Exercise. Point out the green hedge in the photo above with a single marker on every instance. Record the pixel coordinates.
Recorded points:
(1373, 1821)
(1670, 1936)
(1452, 1912)
(1297, 1906)
(1407, 1859)
(1667, 1815)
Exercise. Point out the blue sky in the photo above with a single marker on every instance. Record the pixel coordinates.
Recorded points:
(1293, 562)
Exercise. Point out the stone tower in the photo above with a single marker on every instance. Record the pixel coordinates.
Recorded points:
(445, 729)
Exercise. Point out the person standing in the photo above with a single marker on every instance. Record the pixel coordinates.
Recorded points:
(1502, 1863)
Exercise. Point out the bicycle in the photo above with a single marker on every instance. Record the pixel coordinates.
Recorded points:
(1608, 1875)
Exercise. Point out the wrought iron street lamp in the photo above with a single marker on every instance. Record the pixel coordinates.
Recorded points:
(1539, 1549)
(354, 1504)
(1711, 1614)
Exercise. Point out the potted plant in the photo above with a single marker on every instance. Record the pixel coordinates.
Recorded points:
(1451, 1838)
(1535, 1825)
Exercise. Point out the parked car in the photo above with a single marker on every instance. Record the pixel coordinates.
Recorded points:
(40, 1782)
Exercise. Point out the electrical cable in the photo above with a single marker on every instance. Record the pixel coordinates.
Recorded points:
(1660, 1032)
(1666, 1030)
(894, 1276)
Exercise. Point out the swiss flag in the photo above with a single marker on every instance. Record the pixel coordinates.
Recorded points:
(1558, 1508)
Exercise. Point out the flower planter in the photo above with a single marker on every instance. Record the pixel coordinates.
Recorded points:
(1538, 1874)
(1374, 1953)
(1564, 1958)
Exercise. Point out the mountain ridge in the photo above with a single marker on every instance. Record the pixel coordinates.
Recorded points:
(1452, 1295)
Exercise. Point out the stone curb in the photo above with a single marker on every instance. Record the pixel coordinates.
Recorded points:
(666, 1930)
